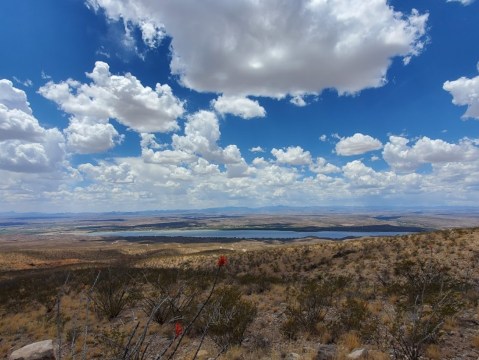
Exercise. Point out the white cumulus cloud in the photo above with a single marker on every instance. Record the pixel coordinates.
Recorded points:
(202, 132)
(321, 166)
(110, 173)
(20, 125)
(120, 97)
(238, 106)
(257, 149)
(13, 98)
(293, 155)
(465, 91)
(357, 144)
(262, 48)
(87, 137)
(402, 157)
(25, 146)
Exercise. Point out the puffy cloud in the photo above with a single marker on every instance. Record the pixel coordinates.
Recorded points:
(256, 149)
(293, 155)
(357, 144)
(239, 106)
(262, 48)
(149, 141)
(25, 146)
(402, 157)
(259, 162)
(167, 156)
(20, 125)
(203, 167)
(120, 97)
(238, 170)
(202, 132)
(13, 98)
(298, 100)
(86, 137)
(361, 175)
(363, 178)
(465, 91)
(109, 173)
(321, 166)
(31, 157)
(273, 176)
(134, 184)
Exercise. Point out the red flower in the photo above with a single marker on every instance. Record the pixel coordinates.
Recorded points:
(222, 261)
(178, 329)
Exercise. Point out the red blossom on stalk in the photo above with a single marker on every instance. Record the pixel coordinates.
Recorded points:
(222, 261)
(178, 329)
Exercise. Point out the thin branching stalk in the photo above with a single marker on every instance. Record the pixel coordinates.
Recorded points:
(205, 331)
(188, 327)
(58, 316)
(85, 346)
(141, 340)
(127, 347)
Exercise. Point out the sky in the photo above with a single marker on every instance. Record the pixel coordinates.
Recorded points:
(129, 105)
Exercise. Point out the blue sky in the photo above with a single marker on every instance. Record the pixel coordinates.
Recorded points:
(141, 104)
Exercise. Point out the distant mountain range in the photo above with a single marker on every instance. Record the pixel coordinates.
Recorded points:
(237, 211)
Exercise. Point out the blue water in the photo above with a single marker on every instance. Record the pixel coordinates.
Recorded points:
(247, 234)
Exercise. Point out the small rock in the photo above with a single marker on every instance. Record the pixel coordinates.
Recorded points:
(326, 352)
(357, 354)
(293, 356)
(42, 350)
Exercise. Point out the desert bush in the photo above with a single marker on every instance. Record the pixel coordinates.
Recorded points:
(172, 302)
(256, 283)
(354, 315)
(114, 291)
(427, 296)
(112, 341)
(310, 305)
(227, 317)
(426, 277)
(32, 288)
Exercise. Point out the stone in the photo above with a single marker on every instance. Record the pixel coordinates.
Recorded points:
(293, 356)
(41, 350)
(357, 354)
(326, 352)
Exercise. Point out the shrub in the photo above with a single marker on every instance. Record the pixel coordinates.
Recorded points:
(354, 315)
(172, 302)
(227, 317)
(310, 304)
(113, 292)
(427, 296)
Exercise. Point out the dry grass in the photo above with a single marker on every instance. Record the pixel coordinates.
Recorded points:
(349, 341)
(475, 341)
(266, 274)
(433, 352)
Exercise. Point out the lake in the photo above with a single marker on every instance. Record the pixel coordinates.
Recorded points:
(246, 234)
